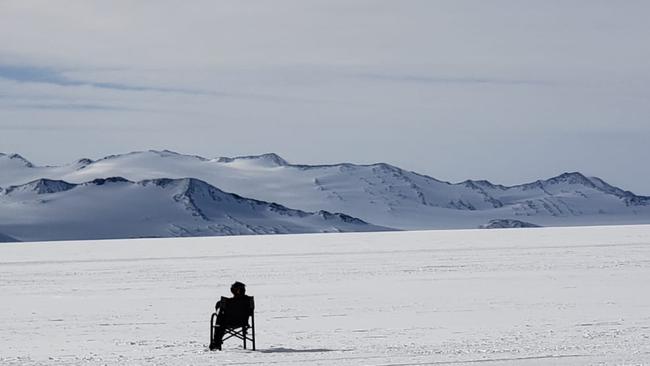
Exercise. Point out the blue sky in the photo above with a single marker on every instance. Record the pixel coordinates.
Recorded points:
(508, 91)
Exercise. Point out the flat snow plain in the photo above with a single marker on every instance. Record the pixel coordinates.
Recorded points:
(559, 296)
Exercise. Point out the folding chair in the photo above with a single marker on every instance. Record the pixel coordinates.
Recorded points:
(233, 317)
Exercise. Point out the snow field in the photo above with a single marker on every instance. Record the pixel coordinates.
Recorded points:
(562, 296)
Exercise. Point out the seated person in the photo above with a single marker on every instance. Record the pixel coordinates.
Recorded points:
(231, 312)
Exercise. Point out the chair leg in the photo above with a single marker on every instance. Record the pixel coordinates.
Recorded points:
(244, 333)
(253, 329)
(212, 318)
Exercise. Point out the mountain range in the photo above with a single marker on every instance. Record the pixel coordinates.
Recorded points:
(114, 197)
(118, 208)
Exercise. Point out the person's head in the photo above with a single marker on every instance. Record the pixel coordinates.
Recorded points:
(238, 289)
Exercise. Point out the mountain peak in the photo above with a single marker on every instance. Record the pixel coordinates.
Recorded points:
(18, 158)
(42, 186)
(389, 168)
(84, 162)
(571, 178)
(149, 153)
(480, 184)
(164, 152)
(169, 153)
(272, 159)
(102, 181)
(567, 177)
(160, 182)
(189, 185)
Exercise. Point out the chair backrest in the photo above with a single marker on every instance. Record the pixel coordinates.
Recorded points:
(235, 311)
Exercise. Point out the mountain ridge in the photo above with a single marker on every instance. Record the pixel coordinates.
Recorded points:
(115, 207)
(379, 193)
(282, 162)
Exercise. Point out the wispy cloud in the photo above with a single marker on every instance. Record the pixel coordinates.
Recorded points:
(72, 106)
(426, 79)
(30, 74)
(59, 77)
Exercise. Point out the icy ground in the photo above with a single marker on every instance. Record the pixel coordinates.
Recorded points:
(558, 296)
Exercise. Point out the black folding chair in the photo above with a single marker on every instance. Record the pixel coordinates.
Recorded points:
(233, 317)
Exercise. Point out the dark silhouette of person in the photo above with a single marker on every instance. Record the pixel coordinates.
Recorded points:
(231, 312)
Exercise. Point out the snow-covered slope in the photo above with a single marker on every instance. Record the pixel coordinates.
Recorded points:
(117, 208)
(378, 193)
(7, 239)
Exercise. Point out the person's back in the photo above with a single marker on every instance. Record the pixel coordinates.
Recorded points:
(235, 310)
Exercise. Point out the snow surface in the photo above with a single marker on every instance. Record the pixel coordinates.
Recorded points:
(545, 296)
(380, 194)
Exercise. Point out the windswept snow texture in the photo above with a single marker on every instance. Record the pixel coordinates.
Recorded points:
(379, 193)
(118, 208)
(547, 296)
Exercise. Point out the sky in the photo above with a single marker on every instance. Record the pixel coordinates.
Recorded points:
(509, 91)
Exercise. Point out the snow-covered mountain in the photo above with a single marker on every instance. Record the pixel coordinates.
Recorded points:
(118, 208)
(381, 194)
